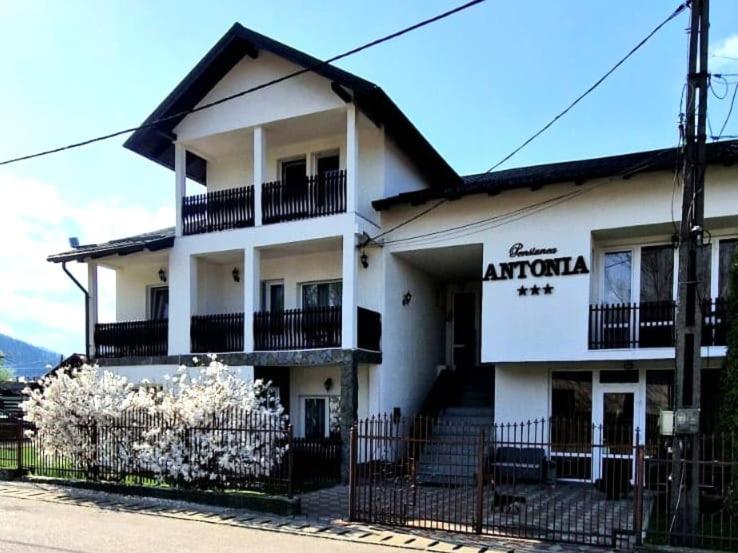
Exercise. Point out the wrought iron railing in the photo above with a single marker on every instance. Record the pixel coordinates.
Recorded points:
(650, 324)
(216, 333)
(220, 210)
(297, 329)
(317, 195)
(131, 339)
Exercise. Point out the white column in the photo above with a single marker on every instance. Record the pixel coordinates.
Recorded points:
(352, 157)
(183, 300)
(251, 294)
(180, 179)
(92, 307)
(348, 309)
(259, 170)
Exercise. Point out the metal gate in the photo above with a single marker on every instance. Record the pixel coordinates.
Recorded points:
(550, 480)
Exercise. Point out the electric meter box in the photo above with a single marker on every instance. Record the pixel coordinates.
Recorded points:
(687, 421)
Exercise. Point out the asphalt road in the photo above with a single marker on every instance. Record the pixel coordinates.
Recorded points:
(35, 526)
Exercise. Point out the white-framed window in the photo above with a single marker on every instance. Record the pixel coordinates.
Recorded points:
(272, 295)
(637, 273)
(157, 302)
(292, 171)
(325, 293)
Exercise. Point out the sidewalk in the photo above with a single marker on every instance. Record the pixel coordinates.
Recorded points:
(325, 522)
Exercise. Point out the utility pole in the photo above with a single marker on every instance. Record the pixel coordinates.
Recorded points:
(687, 389)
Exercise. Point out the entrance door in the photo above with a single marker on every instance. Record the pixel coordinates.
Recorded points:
(465, 330)
(615, 437)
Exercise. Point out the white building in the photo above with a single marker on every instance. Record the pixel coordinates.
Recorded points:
(508, 277)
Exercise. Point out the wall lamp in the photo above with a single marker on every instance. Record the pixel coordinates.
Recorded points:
(364, 260)
(407, 298)
(236, 274)
(162, 275)
(328, 384)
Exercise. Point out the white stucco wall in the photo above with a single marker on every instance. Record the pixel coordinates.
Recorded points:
(521, 393)
(309, 381)
(302, 95)
(131, 290)
(412, 336)
(217, 291)
(232, 171)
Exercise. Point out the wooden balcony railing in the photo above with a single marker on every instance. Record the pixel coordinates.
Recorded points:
(650, 324)
(369, 325)
(220, 210)
(131, 339)
(318, 195)
(297, 329)
(216, 333)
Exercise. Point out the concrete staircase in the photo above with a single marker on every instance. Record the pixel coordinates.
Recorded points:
(451, 455)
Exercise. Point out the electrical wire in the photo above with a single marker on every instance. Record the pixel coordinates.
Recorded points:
(730, 112)
(262, 86)
(543, 129)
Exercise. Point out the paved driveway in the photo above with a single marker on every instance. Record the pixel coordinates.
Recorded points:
(43, 527)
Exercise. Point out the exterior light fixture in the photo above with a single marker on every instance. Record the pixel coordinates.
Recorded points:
(328, 384)
(162, 275)
(364, 260)
(236, 274)
(407, 298)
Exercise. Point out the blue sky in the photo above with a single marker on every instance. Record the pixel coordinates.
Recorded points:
(475, 84)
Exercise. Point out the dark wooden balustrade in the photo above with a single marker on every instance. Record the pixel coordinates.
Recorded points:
(132, 338)
(650, 324)
(220, 210)
(318, 195)
(216, 333)
(369, 325)
(297, 329)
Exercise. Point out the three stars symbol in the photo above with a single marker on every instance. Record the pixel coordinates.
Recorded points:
(535, 290)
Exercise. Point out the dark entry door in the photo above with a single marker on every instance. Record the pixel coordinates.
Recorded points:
(280, 379)
(465, 331)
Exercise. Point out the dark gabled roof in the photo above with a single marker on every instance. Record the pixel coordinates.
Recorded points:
(151, 241)
(537, 176)
(155, 142)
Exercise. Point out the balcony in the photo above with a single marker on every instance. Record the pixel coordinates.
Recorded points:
(318, 195)
(131, 339)
(651, 324)
(227, 209)
(294, 329)
(217, 333)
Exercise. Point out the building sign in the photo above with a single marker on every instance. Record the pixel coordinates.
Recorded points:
(534, 265)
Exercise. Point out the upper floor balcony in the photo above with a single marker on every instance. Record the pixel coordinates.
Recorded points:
(636, 288)
(288, 170)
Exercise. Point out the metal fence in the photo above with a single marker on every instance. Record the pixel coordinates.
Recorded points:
(536, 480)
(129, 448)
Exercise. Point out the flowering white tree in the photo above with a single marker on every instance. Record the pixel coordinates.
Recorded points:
(213, 428)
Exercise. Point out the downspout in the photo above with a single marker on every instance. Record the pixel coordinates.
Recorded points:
(87, 309)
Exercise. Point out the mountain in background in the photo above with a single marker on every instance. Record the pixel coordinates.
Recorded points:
(25, 359)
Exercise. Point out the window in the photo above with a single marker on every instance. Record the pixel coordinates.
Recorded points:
(293, 172)
(659, 397)
(326, 163)
(321, 294)
(315, 419)
(158, 302)
(657, 273)
(617, 277)
(571, 407)
(272, 295)
(726, 255)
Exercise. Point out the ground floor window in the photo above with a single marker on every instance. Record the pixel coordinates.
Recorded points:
(321, 416)
(571, 423)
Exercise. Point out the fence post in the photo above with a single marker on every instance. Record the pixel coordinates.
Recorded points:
(290, 460)
(19, 443)
(640, 459)
(480, 483)
(353, 461)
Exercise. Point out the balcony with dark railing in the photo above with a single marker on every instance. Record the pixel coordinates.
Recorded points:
(216, 333)
(316, 196)
(651, 324)
(227, 209)
(131, 339)
(294, 329)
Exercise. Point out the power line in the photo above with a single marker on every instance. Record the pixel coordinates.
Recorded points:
(543, 129)
(262, 86)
